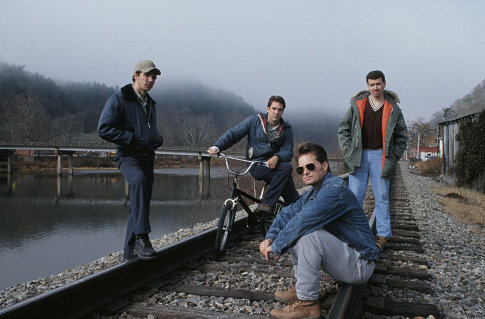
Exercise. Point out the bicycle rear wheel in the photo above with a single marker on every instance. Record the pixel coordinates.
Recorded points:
(224, 226)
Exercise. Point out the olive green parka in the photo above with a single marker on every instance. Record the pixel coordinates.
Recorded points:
(394, 131)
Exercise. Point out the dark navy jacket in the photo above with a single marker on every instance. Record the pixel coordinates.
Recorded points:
(125, 123)
(258, 148)
(334, 208)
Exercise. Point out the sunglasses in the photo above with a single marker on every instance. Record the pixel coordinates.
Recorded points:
(309, 166)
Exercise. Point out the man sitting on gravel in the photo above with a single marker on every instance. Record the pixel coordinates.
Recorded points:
(326, 228)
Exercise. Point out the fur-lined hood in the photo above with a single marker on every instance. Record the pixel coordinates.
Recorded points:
(387, 95)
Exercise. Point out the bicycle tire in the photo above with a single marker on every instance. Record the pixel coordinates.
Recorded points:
(224, 226)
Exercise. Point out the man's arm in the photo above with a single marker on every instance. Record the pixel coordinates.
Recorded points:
(285, 215)
(233, 135)
(400, 136)
(344, 132)
(285, 153)
(316, 213)
(111, 128)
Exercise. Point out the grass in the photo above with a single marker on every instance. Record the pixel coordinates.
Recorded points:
(466, 205)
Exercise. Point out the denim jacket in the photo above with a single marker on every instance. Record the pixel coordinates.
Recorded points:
(334, 208)
(258, 147)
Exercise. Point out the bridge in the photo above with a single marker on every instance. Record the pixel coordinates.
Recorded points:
(101, 148)
(104, 149)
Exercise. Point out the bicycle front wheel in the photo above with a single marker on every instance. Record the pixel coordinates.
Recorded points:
(224, 226)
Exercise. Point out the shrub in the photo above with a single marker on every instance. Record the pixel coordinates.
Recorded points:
(431, 167)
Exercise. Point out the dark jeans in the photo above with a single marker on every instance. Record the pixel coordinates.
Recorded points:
(280, 183)
(139, 174)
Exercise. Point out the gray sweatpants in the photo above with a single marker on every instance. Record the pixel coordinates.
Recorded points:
(322, 249)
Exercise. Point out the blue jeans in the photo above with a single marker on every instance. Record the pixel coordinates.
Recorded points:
(138, 172)
(280, 183)
(371, 166)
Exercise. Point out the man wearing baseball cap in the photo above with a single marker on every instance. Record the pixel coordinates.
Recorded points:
(129, 121)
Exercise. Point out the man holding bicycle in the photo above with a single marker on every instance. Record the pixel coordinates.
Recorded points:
(326, 228)
(270, 139)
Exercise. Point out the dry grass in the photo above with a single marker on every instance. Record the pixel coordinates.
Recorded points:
(430, 168)
(466, 205)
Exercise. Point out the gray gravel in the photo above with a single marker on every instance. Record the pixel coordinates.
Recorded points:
(455, 252)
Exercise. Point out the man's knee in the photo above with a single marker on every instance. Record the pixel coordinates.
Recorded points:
(138, 179)
(285, 167)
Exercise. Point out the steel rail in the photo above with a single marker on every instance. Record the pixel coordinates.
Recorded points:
(85, 295)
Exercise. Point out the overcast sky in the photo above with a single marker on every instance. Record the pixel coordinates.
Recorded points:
(314, 53)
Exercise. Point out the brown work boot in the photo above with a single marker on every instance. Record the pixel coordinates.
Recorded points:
(300, 309)
(380, 242)
(286, 295)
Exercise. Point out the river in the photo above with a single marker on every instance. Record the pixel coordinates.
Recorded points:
(49, 224)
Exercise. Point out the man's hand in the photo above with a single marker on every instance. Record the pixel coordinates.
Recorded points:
(273, 161)
(265, 249)
(213, 150)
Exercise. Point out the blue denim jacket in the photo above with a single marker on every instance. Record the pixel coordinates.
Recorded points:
(258, 147)
(334, 208)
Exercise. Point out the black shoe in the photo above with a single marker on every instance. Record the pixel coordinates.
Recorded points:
(143, 248)
(129, 256)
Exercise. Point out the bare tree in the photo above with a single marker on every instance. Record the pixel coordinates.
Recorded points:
(195, 131)
(26, 119)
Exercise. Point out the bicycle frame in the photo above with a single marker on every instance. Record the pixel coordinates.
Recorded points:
(229, 207)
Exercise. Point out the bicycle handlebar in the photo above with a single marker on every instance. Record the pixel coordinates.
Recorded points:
(244, 172)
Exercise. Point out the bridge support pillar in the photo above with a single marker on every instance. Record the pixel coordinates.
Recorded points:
(59, 164)
(59, 161)
(70, 164)
(9, 163)
(204, 176)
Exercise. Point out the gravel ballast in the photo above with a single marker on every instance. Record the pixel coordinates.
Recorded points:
(455, 252)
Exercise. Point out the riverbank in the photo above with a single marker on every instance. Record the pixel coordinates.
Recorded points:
(48, 165)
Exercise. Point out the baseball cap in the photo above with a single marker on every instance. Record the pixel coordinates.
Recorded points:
(146, 66)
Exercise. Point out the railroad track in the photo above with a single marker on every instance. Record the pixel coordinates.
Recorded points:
(187, 281)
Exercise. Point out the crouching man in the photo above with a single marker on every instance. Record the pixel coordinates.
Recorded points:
(326, 228)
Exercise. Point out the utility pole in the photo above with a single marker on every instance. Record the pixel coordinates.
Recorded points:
(417, 148)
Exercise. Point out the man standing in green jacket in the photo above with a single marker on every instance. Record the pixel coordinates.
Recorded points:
(373, 136)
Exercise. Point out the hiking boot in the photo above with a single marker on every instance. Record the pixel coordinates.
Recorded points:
(300, 309)
(286, 295)
(129, 256)
(143, 247)
(380, 242)
(264, 208)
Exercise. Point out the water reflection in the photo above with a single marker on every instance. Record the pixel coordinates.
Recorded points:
(59, 223)
(49, 223)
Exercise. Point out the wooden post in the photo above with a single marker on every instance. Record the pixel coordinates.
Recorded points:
(58, 187)
(207, 177)
(70, 163)
(9, 163)
(204, 176)
(201, 176)
(59, 164)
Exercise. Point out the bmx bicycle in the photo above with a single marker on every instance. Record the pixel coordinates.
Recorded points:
(239, 197)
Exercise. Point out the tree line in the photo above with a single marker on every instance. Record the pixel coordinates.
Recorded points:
(471, 103)
(37, 109)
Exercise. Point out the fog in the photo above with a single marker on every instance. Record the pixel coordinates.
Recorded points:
(314, 53)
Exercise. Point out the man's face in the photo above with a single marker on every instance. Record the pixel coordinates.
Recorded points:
(144, 81)
(275, 112)
(376, 88)
(310, 176)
